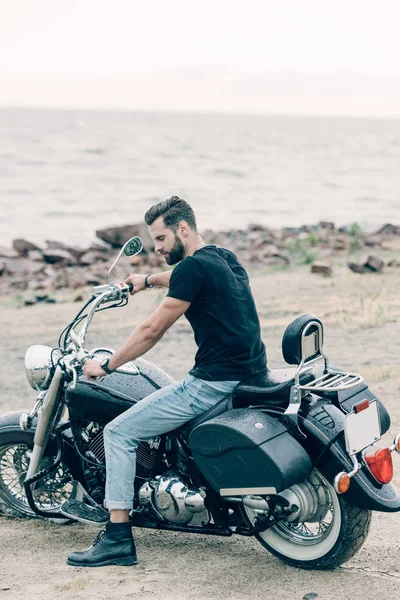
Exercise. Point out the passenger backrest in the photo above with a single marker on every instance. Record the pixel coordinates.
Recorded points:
(303, 339)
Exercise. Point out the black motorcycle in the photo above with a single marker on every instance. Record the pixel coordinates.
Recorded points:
(291, 458)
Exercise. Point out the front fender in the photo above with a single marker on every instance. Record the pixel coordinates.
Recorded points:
(10, 431)
(324, 425)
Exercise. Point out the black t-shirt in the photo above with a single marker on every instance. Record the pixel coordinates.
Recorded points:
(222, 314)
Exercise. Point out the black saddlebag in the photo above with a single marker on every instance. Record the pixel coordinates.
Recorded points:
(246, 451)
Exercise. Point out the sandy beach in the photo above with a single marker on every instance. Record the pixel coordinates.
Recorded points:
(361, 314)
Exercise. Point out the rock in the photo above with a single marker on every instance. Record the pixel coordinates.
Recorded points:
(393, 263)
(321, 268)
(389, 229)
(356, 268)
(339, 244)
(368, 263)
(55, 245)
(74, 251)
(209, 236)
(23, 247)
(136, 261)
(264, 241)
(256, 227)
(23, 266)
(277, 259)
(273, 253)
(329, 225)
(117, 236)
(92, 256)
(100, 248)
(2, 268)
(41, 298)
(155, 260)
(49, 271)
(78, 298)
(36, 255)
(39, 284)
(59, 257)
(77, 253)
(29, 302)
(373, 240)
(374, 263)
(18, 284)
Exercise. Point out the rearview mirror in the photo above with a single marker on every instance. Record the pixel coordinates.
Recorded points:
(130, 248)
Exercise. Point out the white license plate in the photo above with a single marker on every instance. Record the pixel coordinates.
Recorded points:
(362, 429)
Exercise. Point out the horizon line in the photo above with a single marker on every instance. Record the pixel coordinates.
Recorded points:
(196, 111)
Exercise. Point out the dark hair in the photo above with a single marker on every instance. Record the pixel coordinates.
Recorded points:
(173, 211)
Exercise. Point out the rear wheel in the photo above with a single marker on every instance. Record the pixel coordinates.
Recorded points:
(49, 493)
(328, 532)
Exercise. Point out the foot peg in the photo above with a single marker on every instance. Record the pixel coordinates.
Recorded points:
(80, 511)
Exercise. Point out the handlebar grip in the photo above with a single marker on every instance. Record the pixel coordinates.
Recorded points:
(86, 358)
(130, 286)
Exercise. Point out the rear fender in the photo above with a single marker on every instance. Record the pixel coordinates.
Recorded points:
(324, 424)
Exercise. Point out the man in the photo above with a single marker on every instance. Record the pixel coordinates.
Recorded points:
(211, 288)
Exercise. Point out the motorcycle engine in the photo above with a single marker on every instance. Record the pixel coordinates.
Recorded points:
(172, 501)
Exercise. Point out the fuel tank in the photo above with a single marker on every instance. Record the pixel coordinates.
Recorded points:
(106, 398)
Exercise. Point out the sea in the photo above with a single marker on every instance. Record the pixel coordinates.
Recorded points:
(66, 173)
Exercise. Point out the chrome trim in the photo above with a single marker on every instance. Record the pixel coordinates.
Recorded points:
(356, 468)
(127, 245)
(38, 366)
(334, 381)
(246, 491)
(304, 364)
(171, 499)
(394, 447)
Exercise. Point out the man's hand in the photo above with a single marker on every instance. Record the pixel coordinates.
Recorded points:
(92, 369)
(137, 281)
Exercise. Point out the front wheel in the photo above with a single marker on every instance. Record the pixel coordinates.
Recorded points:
(49, 493)
(330, 532)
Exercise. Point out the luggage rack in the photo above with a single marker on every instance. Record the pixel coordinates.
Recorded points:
(313, 358)
(333, 381)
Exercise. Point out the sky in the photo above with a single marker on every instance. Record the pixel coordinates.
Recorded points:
(291, 56)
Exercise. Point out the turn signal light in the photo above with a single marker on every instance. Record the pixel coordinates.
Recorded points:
(342, 483)
(380, 464)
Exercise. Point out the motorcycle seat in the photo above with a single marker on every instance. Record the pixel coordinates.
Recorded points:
(271, 388)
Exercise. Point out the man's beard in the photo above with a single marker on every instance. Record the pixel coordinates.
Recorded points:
(177, 252)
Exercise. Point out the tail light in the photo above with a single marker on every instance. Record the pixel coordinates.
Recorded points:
(379, 461)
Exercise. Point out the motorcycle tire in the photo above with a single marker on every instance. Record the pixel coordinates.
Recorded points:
(49, 493)
(319, 544)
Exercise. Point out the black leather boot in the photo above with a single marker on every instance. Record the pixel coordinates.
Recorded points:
(114, 546)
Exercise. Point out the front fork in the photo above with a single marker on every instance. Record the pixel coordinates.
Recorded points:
(46, 420)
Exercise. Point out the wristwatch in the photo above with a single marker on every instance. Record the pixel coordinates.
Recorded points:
(104, 366)
(148, 285)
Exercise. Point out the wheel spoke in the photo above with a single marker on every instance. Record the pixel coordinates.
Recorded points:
(50, 492)
(318, 523)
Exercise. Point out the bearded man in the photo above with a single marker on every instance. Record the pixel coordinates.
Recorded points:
(211, 288)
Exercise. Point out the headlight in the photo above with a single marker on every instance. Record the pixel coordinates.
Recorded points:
(37, 366)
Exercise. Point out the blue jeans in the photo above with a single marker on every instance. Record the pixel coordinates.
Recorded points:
(164, 410)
